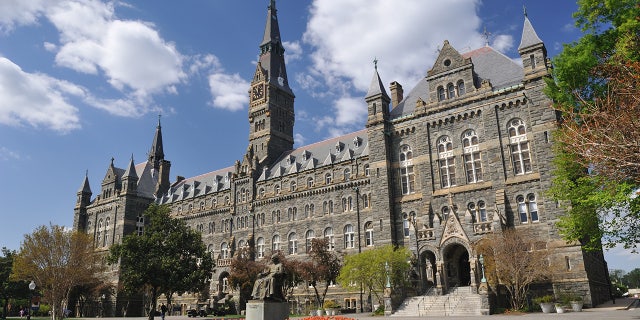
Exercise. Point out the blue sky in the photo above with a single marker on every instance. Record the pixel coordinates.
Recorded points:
(82, 81)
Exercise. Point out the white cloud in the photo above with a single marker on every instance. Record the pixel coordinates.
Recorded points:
(36, 100)
(229, 91)
(6, 154)
(405, 47)
(131, 55)
(136, 56)
(293, 50)
(502, 43)
(21, 12)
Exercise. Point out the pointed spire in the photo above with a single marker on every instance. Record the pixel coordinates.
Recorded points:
(529, 35)
(376, 87)
(131, 170)
(84, 188)
(272, 52)
(156, 154)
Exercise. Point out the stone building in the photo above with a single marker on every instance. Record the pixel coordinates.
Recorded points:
(466, 152)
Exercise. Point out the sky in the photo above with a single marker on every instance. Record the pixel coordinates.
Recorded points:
(82, 81)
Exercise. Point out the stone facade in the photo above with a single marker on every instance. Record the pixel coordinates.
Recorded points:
(465, 153)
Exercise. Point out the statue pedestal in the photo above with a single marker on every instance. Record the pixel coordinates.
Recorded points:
(267, 310)
(387, 302)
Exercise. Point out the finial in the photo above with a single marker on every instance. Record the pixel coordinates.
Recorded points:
(375, 63)
(486, 35)
(524, 9)
(112, 160)
(131, 157)
(86, 173)
(159, 115)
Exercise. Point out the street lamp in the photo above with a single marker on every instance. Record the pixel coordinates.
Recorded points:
(414, 223)
(32, 287)
(482, 268)
(357, 190)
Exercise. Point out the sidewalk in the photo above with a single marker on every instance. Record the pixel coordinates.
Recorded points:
(608, 311)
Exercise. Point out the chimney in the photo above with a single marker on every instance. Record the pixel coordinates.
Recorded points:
(396, 93)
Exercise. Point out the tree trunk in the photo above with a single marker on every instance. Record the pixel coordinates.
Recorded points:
(154, 299)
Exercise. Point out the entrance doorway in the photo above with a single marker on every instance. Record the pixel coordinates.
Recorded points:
(457, 266)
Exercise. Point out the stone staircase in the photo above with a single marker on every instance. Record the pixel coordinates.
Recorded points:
(459, 302)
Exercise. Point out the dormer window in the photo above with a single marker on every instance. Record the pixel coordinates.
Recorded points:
(338, 147)
(356, 142)
(305, 155)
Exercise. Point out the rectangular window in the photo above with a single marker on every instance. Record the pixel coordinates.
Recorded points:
(521, 158)
(447, 172)
(473, 166)
(407, 179)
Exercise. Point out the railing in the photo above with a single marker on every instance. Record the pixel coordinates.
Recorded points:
(482, 227)
(426, 234)
(223, 262)
(427, 294)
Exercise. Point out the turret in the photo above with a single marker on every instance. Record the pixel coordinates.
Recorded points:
(377, 100)
(83, 199)
(533, 53)
(130, 179)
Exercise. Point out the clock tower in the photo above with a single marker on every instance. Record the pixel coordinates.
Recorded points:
(271, 115)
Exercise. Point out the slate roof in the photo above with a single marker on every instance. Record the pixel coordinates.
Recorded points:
(213, 181)
(344, 148)
(529, 35)
(488, 64)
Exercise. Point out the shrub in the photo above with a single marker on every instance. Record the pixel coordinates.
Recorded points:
(544, 299)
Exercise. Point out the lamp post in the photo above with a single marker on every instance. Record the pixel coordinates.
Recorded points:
(482, 268)
(32, 287)
(357, 190)
(414, 223)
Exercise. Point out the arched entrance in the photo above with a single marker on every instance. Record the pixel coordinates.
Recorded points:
(458, 270)
(429, 268)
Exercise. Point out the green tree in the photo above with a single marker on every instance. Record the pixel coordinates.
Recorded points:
(321, 269)
(368, 269)
(57, 260)
(632, 279)
(9, 288)
(167, 258)
(595, 88)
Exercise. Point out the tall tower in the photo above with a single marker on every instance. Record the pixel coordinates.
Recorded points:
(161, 167)
(271, 115)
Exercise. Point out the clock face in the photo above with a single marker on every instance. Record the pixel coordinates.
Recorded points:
(258, 92)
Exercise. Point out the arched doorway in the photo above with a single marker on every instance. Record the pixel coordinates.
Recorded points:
(458, 270)
(429, 268)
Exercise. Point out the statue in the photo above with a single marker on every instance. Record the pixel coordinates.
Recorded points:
(268, 286)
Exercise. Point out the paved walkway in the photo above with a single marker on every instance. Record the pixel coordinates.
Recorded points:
(608, 311)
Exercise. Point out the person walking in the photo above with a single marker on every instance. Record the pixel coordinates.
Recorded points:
(163, 310)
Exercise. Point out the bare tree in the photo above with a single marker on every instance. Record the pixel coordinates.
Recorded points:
(57, 260)
(604, 132)
(515, 259)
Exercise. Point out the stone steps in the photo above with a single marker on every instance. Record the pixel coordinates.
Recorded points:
(459, 302)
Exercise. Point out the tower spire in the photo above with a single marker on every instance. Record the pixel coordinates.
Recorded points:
(272, 51)
(156, 154)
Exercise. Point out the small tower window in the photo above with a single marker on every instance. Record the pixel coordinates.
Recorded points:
(532, 61)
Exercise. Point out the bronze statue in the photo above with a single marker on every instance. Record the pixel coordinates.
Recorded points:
(268, 286)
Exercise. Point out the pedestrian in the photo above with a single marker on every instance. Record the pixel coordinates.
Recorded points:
(163, 310)
(21, 312)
